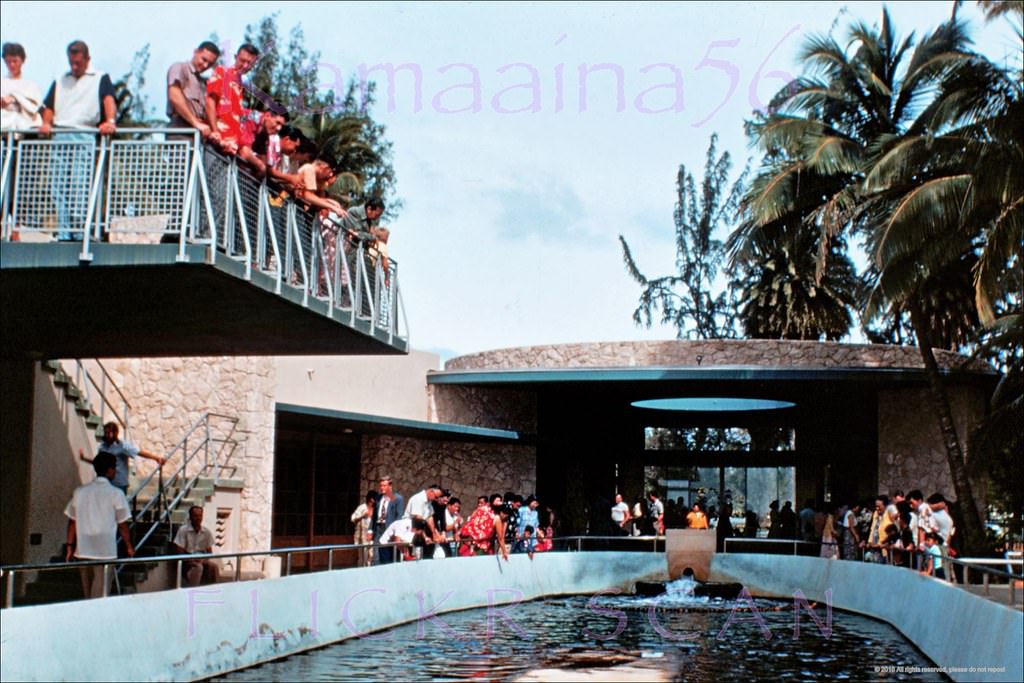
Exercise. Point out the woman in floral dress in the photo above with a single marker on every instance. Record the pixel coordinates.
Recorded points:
(478, 531)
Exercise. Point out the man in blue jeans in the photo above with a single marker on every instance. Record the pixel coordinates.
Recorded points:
(82, 98)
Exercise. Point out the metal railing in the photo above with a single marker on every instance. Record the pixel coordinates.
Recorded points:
(103, 394)
(205, 449)
(786, 544)
(111, 567)
(149, 185)
(987, 567)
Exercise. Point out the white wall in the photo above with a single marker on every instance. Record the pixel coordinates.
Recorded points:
(393, 386)
(955, 629)
(199, 633)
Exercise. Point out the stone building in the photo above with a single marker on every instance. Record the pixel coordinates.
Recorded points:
(313, 433)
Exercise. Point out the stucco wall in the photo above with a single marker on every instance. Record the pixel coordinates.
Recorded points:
(199, 633)
(955, 629)
(392, 386)
(759, 352)
(168, 395)
(58, 431)
(468, 469)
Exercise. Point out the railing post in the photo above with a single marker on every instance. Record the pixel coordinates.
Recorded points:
(9, 590)
(238, 568)
(330, 559)
(177, 573)
(579, 544)
(106, 580)
(288, 564)
(984, 581)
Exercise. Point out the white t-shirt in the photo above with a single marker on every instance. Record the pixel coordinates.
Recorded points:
(399, 531)
(194, 541)
(943, 524)
(619, 512)
(97, 508)
(419, 506)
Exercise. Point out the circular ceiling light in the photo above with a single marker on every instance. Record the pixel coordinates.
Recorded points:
(709, 404)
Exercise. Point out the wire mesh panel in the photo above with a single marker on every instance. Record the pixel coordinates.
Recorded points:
(53, 182)
(277, 216)
(147, 184)
(249, 191)
(306, 223)
(216, 167)
(385, 283)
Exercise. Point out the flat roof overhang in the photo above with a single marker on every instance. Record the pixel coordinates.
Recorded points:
(138, 301)
(393, 426)
(816, 393)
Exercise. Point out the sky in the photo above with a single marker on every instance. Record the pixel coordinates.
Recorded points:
(519, 158)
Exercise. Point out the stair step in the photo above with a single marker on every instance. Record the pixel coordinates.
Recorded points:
(94, 422)
(72, 392)
(83, 407)
(51, 366)
(60, 378)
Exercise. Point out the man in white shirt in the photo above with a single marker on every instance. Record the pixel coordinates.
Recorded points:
(421, 505)
(194, 538)
(96, 511)
(82, 98)
(921, 522)
(620, 515)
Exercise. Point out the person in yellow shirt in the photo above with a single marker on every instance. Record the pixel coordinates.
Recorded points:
(696, 519)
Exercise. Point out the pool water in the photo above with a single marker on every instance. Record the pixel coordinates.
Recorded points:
(682, 636)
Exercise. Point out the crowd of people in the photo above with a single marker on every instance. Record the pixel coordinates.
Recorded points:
(909, 531)
(261, 138)
(905, 530)
(433, 525)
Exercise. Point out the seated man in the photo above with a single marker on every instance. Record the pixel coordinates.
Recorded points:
(193, 538)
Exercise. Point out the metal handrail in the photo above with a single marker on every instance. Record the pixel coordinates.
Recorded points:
(796, 542)
(106, 380)
(11, 570)
(190, 194)
(168, 507)
(978, 564)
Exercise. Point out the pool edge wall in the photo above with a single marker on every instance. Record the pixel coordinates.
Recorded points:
(198, 633)
(968, 636)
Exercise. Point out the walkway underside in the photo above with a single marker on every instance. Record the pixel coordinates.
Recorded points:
(138, 301)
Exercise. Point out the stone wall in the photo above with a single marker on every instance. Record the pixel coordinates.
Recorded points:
(911, 454)
(483, 407)
(468, 469)
(756, 352)
(168, 395)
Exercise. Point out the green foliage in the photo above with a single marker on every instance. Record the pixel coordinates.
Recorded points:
(688, 300)
(132, 106)
(339, 123)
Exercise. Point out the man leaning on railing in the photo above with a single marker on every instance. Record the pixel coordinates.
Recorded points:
(82, 98)
(186, 89)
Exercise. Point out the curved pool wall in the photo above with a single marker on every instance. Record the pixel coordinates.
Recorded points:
(971, 637)
(199, 633)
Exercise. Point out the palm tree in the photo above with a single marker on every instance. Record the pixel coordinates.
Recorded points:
(781, 298)
(824, 143)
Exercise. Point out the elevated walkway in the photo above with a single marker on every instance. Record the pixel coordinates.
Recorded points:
(144, 246)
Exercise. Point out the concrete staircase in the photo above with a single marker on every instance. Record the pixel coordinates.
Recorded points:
(64, 585)
(72, 392)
